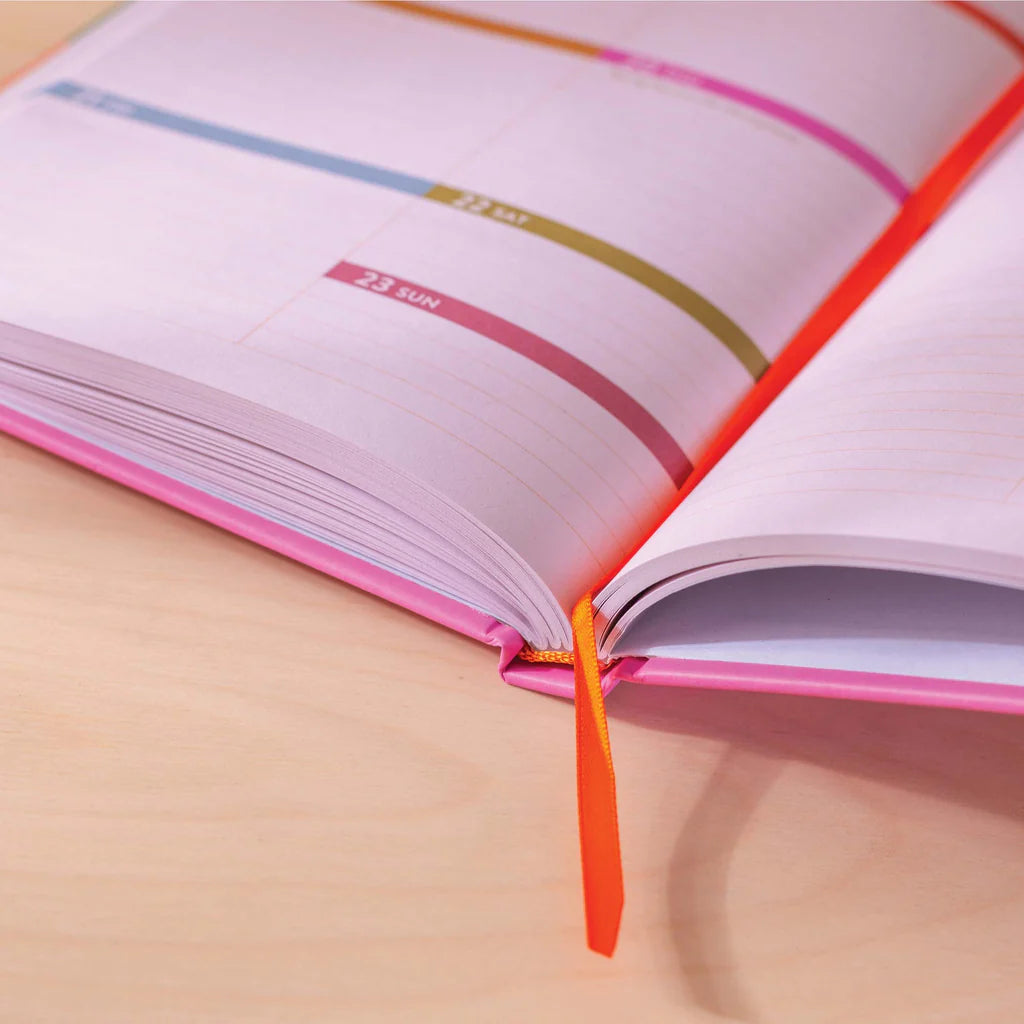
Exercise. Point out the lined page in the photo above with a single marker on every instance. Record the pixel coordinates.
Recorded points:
(1008, 12)
(502, 267)
(901, 80)
(902, 443)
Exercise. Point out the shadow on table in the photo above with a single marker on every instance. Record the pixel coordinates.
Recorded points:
(972, 758)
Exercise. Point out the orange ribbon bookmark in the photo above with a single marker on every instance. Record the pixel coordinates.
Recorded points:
(603, 892)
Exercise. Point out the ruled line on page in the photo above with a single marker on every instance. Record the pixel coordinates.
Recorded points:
(414, 381)
(618, 403)
(668, 287)
(999, 28)
(806, 124)
(607, 465)
(684, 298)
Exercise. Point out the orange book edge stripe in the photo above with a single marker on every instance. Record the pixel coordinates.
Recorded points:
(603, 886)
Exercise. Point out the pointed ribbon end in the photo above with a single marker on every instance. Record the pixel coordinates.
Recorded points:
(603, 894)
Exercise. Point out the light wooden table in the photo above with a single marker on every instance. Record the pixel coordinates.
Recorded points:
(233, 790)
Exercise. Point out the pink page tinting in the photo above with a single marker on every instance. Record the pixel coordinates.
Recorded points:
(629, 412)
(805, 123)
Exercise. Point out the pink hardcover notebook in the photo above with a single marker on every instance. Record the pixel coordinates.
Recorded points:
(473, 306)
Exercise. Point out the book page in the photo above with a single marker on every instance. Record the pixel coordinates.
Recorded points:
(501, 264)
(841, 618)
(1009, 13)
(901, 445)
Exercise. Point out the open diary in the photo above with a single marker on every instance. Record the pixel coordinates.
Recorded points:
(488, 308)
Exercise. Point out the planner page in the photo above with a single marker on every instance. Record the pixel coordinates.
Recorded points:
(526, 256)
(901, 445)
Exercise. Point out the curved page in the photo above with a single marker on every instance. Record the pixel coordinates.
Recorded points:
(900, 446)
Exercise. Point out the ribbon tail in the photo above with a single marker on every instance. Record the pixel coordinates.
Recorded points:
(595, 788)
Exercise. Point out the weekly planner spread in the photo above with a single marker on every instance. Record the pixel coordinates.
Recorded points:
(456, 301)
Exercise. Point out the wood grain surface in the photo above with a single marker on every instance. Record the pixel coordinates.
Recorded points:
(234, 790)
